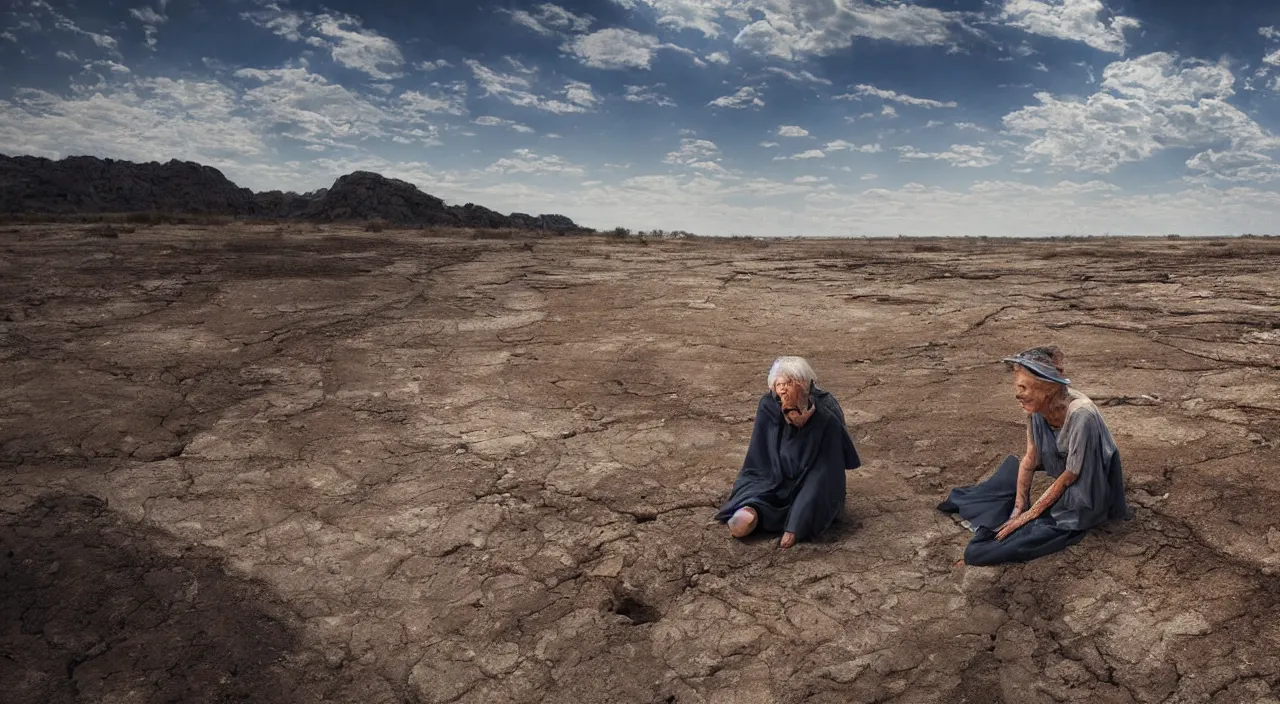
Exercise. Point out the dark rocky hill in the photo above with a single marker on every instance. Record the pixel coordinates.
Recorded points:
(37, 186)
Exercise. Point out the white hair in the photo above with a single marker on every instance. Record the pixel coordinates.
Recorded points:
(792, 368)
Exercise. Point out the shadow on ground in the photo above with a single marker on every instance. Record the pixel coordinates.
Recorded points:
(95, 608)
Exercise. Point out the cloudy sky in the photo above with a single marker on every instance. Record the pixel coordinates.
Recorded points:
(721, 117)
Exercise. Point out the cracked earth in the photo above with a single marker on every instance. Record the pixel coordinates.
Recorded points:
(311, 464)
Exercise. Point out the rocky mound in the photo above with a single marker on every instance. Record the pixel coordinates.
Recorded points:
(364, 195)
(85, 184)
(34, 185)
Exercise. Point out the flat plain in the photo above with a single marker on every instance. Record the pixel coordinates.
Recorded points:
(300, 463)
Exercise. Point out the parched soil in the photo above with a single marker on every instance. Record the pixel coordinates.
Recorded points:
(306, 464)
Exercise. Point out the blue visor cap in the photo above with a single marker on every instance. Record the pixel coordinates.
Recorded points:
(1041, 368)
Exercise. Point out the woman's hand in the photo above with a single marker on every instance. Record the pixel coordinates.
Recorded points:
(1018, 520)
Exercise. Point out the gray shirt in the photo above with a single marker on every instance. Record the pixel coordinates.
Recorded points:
(1083, 446)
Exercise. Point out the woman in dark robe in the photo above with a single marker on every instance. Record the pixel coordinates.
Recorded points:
(792, 480)
(1068, 440)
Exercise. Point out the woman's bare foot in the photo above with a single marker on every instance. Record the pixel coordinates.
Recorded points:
(742, 522)
(788, 539)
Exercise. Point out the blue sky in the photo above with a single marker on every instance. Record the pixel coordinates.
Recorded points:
(752, 117)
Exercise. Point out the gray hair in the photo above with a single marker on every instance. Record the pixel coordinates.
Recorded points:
(793, 368)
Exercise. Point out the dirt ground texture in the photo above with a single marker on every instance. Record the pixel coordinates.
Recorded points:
(301, 464)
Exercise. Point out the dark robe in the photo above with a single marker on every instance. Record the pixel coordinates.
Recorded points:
(1082, 445)
(794, 477)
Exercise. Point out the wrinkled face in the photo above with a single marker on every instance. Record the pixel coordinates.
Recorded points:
(794, 394)
(1033, 393)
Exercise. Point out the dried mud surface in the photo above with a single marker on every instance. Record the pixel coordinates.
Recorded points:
(330, 465)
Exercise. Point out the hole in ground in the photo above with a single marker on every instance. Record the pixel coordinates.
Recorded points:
(635, 611)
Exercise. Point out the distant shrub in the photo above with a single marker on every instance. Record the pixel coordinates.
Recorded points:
(620, 232)
(149, 218)
(375, 226)
(108, 231)
(926, 247)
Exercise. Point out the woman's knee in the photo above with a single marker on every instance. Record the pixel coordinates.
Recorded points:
(981, 553)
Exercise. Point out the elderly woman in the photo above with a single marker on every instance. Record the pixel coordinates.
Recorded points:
(1067, 438)
(792, 480)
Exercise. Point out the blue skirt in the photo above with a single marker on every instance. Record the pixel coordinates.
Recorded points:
(987, 506)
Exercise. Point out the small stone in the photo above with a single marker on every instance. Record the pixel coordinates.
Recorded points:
(609, 567)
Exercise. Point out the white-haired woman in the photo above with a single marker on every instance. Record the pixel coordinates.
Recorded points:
(1067, 438)
(792, 480)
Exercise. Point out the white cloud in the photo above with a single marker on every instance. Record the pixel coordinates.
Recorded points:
(841, 145)
(861, 91)
(580, 93)
(801, 77)
(1234, 166)
(432, 65)
(306, 107)
(699, 15)
(343, 36)
(551, 20)
(811, 154)
(693, 152)
(791, 29)
(66, 24)
(714, 205)
(516, 90)
(491, 121)
(718, 57)
(962, 155)
(284, 23)
(10, 36)
(810, 179)
(641, 94)
(970, 126)
(889, 112)
(768, 145)
(148, 15)
(1272, 59)
(451, 101)
(355, 47)
(613, 49)
(1144, 105)
(745, 97)
(68, 56)
(527, 162)
(792, 131)
(869, 177)
(1086, 21)
(1269, 32)
(111, 66)
(141, 120)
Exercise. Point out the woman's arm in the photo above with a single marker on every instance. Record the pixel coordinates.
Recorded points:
(1053, 493)
(1026, 471)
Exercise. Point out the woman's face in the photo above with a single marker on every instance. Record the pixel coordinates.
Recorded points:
(791, 392)
(1033, 394)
